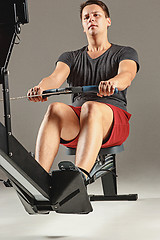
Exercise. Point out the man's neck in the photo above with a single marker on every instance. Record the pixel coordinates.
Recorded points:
(98, 43)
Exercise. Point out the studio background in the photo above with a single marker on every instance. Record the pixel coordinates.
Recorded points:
(55, 27)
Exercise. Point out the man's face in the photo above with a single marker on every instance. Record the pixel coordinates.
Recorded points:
(94, 20)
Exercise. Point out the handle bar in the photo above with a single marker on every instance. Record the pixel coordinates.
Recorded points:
(69, 90)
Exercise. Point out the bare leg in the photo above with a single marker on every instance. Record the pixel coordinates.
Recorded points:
(96, 123)
(59, 121)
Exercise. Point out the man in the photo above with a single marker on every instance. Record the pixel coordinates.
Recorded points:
(94, 120)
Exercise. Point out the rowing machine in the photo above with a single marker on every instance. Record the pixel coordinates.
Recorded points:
(64, 190)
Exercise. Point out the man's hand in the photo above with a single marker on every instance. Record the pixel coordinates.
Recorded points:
(36, 91)
(106, 88)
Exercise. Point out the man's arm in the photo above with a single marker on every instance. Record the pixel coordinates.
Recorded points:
(55, 80)
(126, 73)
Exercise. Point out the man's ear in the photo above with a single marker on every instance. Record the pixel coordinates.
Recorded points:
(108, 22)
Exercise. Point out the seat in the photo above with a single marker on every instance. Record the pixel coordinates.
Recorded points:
(105, 168)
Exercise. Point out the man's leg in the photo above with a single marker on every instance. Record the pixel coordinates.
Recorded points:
(60, 121)
(96, 122)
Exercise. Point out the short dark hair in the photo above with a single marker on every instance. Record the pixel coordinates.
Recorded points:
(99, 3)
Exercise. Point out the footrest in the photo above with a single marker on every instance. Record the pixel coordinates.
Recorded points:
(67, 165)
(69, 194)
(129, 197)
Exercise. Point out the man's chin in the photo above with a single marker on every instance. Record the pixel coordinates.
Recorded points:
(93, 32)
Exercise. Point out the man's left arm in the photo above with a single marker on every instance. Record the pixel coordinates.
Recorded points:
(126, 73)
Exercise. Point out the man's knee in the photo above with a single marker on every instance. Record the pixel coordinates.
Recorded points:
(55, 109)
(90, 109)
(96, 110)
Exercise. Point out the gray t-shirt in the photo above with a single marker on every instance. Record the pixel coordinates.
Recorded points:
(85, 71)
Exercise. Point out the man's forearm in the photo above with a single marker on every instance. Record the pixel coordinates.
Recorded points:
(122, 80)
(49, 83)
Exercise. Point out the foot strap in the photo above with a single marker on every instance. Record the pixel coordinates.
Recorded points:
(66, 165)
(86, 181)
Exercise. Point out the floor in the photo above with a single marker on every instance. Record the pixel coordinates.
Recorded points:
(109, 220)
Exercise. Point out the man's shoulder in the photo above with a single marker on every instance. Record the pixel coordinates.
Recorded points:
(118, 48)
(80, 50)
(125, 52)
(74, 53)
(69, 57)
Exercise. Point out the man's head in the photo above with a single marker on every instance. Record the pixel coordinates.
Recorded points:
(99, 3)
(95, 17)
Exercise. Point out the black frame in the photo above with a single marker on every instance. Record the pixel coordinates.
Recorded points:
(13, 12)
(109, 184)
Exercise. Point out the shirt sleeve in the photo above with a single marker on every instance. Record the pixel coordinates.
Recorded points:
(129, 53)
(67, 58)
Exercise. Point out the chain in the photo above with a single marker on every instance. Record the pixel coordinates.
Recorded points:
(23, 97)
(41, 95)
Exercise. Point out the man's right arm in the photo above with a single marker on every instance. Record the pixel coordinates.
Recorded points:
(55, 80)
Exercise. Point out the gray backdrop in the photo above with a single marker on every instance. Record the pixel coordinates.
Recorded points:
(55, 27)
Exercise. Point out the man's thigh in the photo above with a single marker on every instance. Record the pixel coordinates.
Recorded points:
(100, 113)
(106, 114)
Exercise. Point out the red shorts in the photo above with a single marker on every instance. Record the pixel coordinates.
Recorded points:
(120, 129)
